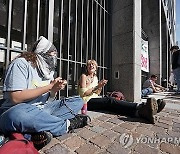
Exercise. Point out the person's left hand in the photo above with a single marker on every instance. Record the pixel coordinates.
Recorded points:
(102, 83)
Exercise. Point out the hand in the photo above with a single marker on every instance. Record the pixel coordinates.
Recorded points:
(102, 83)
(57, 84)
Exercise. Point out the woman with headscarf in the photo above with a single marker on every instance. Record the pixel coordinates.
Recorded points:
(29, 96)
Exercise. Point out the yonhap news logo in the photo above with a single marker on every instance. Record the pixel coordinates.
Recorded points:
(126, 139)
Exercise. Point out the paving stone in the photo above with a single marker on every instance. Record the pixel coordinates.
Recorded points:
(104, 152)
(103, 118)
(174, 114)
(120, 130)
(145, 149)
(41, 152)
(74, 142)
(169, 138)
(77, 130)
(101, 141)
(95, 122)
(173, 117)
(163, 114)
(169, 148)
(110, 134)
(117, 148)
(106, 125)
(151, 143)
(144, 131)
(163, 125)
(128, 126)
(157, 129)
(111, 115)
(173, 134)
(176, 127)
(115, 121)
(64, 137)
(168, 110)
(58, 149)
(87, 148)
(98, 129)
(176, 120)
(163, 120)
(148, 126)
(166, 118)
(53, 142)
(86, 133)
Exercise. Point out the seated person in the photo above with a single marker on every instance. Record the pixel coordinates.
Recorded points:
(150, 86)
(89, 88)
(29, 97)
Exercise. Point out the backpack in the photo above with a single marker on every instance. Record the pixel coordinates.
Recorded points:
(18, 145)
(117, 95)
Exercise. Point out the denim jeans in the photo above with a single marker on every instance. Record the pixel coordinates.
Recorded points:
(146, 91)
(176, 73)
(112, 105)
(28, 118)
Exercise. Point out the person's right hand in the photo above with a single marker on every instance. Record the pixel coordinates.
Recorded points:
(58, 84)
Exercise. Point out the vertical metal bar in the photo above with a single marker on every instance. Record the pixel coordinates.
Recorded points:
(160, 42)
(75, 47)
(92, 30)
(87, 30)
(60, 43)
(50, 20)
(82, 31)
(167, 54)
(38, 15)
(9, 33)
(69, 34)
(96, 29)
(100, 38)
(25, 23)
(104, 33)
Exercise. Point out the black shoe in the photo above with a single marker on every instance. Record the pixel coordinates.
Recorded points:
(3, 140)
(79, 121)
(148, 109)
(41, 139)
(161, 105)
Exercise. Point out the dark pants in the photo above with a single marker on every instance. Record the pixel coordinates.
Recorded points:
(112, 105)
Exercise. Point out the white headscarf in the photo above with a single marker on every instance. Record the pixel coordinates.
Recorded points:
(45, 63)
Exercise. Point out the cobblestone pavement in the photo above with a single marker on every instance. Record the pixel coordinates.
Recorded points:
(116, 134)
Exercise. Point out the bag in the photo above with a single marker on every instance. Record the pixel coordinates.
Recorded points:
(117, 95)
(18, 145)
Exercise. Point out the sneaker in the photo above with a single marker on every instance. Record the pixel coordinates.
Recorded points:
(148, 109)
(161, 105)
(79, 121)
(3, 140)
(41, 139)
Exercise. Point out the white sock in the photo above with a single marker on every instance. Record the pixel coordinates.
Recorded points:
(67, 126)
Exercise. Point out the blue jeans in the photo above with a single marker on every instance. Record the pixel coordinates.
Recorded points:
(146, 91)
(176, 73)
(28, 118)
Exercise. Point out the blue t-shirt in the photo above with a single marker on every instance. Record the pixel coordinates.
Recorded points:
(21, 75)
